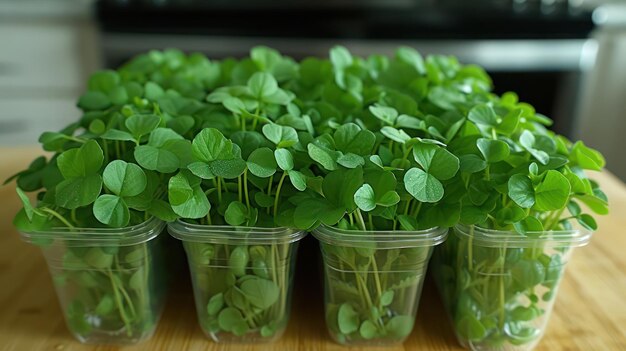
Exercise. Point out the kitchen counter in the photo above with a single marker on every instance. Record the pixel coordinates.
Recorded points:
(589, 314)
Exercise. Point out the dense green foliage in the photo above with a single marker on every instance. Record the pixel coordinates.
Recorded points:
(377, 143)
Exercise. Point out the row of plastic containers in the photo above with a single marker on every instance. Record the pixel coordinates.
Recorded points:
(498, 287)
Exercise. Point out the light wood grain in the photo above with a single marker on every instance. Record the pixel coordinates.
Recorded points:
(590, 313)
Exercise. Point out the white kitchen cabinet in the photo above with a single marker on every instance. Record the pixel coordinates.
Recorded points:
(23, 119)
(46, 54)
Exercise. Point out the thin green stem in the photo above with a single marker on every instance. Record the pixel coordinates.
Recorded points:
(269, 190)
(73, 138)
(105, 147)
(117, 149)
(360, 220)
(245, 188)
(219, 189)
(277, 196)
(118, 302)
(239, 189)
(470, 258)
(556, 219)
(417, 209)
(376, 277)
(58, 216)
(225, 186)
(256, 113)
(73, 215)
(502, 296)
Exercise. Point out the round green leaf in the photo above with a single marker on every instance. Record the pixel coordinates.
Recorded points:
(436, 160)
(229, 169)
(215, 304)
(261, 293)
(470, 327)
(298, 180)
(261, 162)
(104, 81)
(230, 319)
(389, 198)
(387, 298)
(350, 138)
(587, 221)
(124, 179)
(423, 186)
(365, 198)
(111, 210)
(186, 196)
(80, 162)
(528, 273)
(201, 170)
(156, 159)
(94, 100)
(262, 84)
(210, 145)
(347, 319)
(528, 224)
(350, 160)
(284, 159)
(323, 156)
(153, 91)
(483, 114)
(493, 150)
(368, 329)
(96, 257)
(281, 136)
(521, 190)
(236, 213)
(471, 163)
(386, 114)
(77, 192)
(234, 105)
(139, 125)
(400, 326)
(397, 135)
(553, 192)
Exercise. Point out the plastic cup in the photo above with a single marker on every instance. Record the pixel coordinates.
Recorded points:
(373, 282)
(110, 282)
(499, 287)
(242, 279)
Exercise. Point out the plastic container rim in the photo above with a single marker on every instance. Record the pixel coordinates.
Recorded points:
(225, 234)
(389, 238)
(126, 236)
(512, 239)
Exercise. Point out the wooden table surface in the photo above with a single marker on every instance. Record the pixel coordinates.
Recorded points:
(590, 311)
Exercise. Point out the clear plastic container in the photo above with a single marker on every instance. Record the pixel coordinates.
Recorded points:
(499, 286)
(242, 279)
(111, 283)
(373, 281)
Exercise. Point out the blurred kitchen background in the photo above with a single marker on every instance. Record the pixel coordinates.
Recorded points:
(565, 57)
